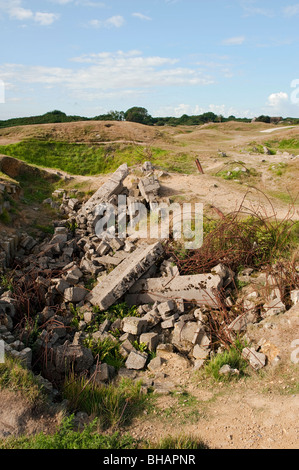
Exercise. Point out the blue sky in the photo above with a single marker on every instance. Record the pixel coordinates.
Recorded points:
(88, 57)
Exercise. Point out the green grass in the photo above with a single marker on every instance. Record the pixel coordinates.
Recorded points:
(15, 377)
(84, 159)
(114, 405)
(35, 188)
(106, 350)
(179, 442)
(278, 168)
(66, 437)
(5, 217)
(288, 145)
(232, 357)
(114, 312)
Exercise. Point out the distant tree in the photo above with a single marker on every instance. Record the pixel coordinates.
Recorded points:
(117, 115)
(138, 114)
(263, 118)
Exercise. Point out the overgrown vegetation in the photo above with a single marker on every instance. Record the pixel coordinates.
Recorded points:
(232, 357)
(105, 350)
(245, 238)
(113, 313)
(66, 437)
(85, 159)
(115, 406)
(15, 377)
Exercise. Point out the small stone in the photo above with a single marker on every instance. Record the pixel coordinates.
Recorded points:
(134, 325)
(257, 360)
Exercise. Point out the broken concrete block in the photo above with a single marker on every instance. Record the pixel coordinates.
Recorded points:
(118, 281)
(156, 363)
(116, 243)
(201, 289)
(62, 285)
(7, 308)
(103, 373)
(112, 186)
(242, 321)
(273, 307)
(75, 294)
(103, 248)
(295, 296)
(200, 352)
(165, 308)
(125, 348)
(134, 325)
(73, 276)
(226, 370)
(136, 360)
(150, 339)
(257, 360)
(187, 334)
(69, 355)
(170, 322)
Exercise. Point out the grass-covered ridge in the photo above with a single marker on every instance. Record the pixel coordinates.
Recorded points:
(86, 159)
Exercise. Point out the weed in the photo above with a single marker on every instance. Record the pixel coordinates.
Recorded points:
(106, 350)
(232, 357)
(114, 312)
(15, 377)
(6, 281)
(5, 217)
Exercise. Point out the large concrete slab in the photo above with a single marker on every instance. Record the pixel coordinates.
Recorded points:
(112, 186)
(119, 281)
(201, 289)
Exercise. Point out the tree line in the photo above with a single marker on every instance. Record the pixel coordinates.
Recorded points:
(135, 114)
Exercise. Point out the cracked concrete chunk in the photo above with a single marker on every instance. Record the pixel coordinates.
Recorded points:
(119, 281)
(75, 294)
(199, 288)
(257, 360)
(136, 360)
(134, 325)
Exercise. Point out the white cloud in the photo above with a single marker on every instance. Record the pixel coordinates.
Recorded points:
(105, 74)
(282, 104)
(234, 41)
(291, 10)
(20, 13)
(141, 16)
(16, 11)
(114, 21)
(251, 9)
(194, 110)
(276, 100)
(45, 19)
(85, 3)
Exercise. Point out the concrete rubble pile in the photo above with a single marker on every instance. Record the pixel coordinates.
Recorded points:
(82, 275)
(8, 242)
